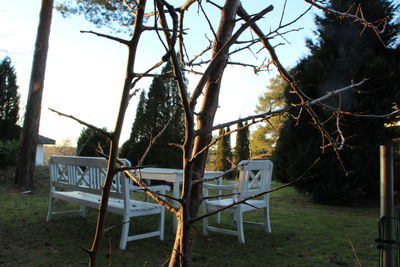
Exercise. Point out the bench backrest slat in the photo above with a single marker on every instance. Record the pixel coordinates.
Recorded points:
(85, 174)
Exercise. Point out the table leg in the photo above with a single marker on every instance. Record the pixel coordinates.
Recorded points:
(176, 190)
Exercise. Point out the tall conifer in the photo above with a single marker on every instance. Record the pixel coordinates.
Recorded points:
(224, 153)
(344, 52)
(9, 101)
(153, 112)
(242, 150)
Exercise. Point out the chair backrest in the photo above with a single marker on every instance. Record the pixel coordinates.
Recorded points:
(85, 173)
(254, 178)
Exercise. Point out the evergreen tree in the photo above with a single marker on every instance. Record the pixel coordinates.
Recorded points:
(224, 153)
(263, 139)
(153, 113)
(88, 142)
(344, 52)
(9, 101)
(242, 150)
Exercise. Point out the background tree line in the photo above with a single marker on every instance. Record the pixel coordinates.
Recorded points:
(9, 116)
(343, 52)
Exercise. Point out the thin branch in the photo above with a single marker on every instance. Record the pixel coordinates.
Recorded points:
(290, 80)
(161, 201)
(102, 131)
(296, 19)
(243, 201)
(341, 136)
(375, 27)
(139, 182)
(158, 64)
(355, 253)
(152, 141)
(190, 63)
(208, 21)
(175, 24)
(146, 28)
(131, 9)
(263, 116)
(113, 38)
(283, 13)
(221, 52)
(216, 177)
(335, 92)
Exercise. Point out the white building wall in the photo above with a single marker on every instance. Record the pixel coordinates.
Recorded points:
(39, 155)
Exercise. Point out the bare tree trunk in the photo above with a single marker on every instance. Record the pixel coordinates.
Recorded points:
(115, 136)
(28, 140)
(194, 169)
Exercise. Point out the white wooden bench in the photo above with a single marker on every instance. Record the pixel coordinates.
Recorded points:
(79, 180)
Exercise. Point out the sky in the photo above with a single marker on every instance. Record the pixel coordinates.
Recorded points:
(85, 73)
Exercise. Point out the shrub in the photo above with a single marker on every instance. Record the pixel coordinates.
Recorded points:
(8, 152)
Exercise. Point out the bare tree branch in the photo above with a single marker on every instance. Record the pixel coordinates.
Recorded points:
(113, 38)
(102, 131)
(226, 46)
(243, 201)
(152, 141)
(359, 19)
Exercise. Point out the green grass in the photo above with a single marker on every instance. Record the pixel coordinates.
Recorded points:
(303, 234)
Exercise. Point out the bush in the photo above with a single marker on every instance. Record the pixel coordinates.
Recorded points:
(8, 152)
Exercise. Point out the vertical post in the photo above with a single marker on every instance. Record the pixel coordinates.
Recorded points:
(387, 213)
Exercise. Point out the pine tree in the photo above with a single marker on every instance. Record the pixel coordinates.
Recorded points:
(344, 52)
(224, 153)
(9, 101)
(264, 138)
(242, 150)
(88, 142)
(153, 112)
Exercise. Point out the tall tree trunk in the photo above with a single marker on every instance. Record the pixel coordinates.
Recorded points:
(192, 194)
(30, 131)
(209, 107)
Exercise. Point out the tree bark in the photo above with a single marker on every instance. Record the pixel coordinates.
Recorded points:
(29, 136)
(209, 106)
(194, 169)
(114, 140)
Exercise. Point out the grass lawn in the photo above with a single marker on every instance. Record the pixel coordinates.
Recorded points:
(303, 234)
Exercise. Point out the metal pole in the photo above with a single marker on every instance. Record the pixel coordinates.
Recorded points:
(387, 209)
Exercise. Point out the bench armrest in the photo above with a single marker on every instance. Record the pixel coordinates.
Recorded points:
(218, 187)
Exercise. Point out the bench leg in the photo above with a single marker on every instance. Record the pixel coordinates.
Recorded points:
(267, 224)
(239, 226)
(83, 211)
(162, 223)
(125, 232)
(50, 211)
(205, 220)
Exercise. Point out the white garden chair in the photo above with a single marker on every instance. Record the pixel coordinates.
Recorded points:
(254, 178)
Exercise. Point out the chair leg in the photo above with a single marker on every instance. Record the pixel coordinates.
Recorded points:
(239, 226)
(205, 220)
(267, 224)
(234, 220)
(125, 232)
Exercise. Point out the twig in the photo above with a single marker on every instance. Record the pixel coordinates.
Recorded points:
(354, 252)
(221, 52)
(381, 22)
(152, 141)
(108, 134)
(113, 38)
(301, 177)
